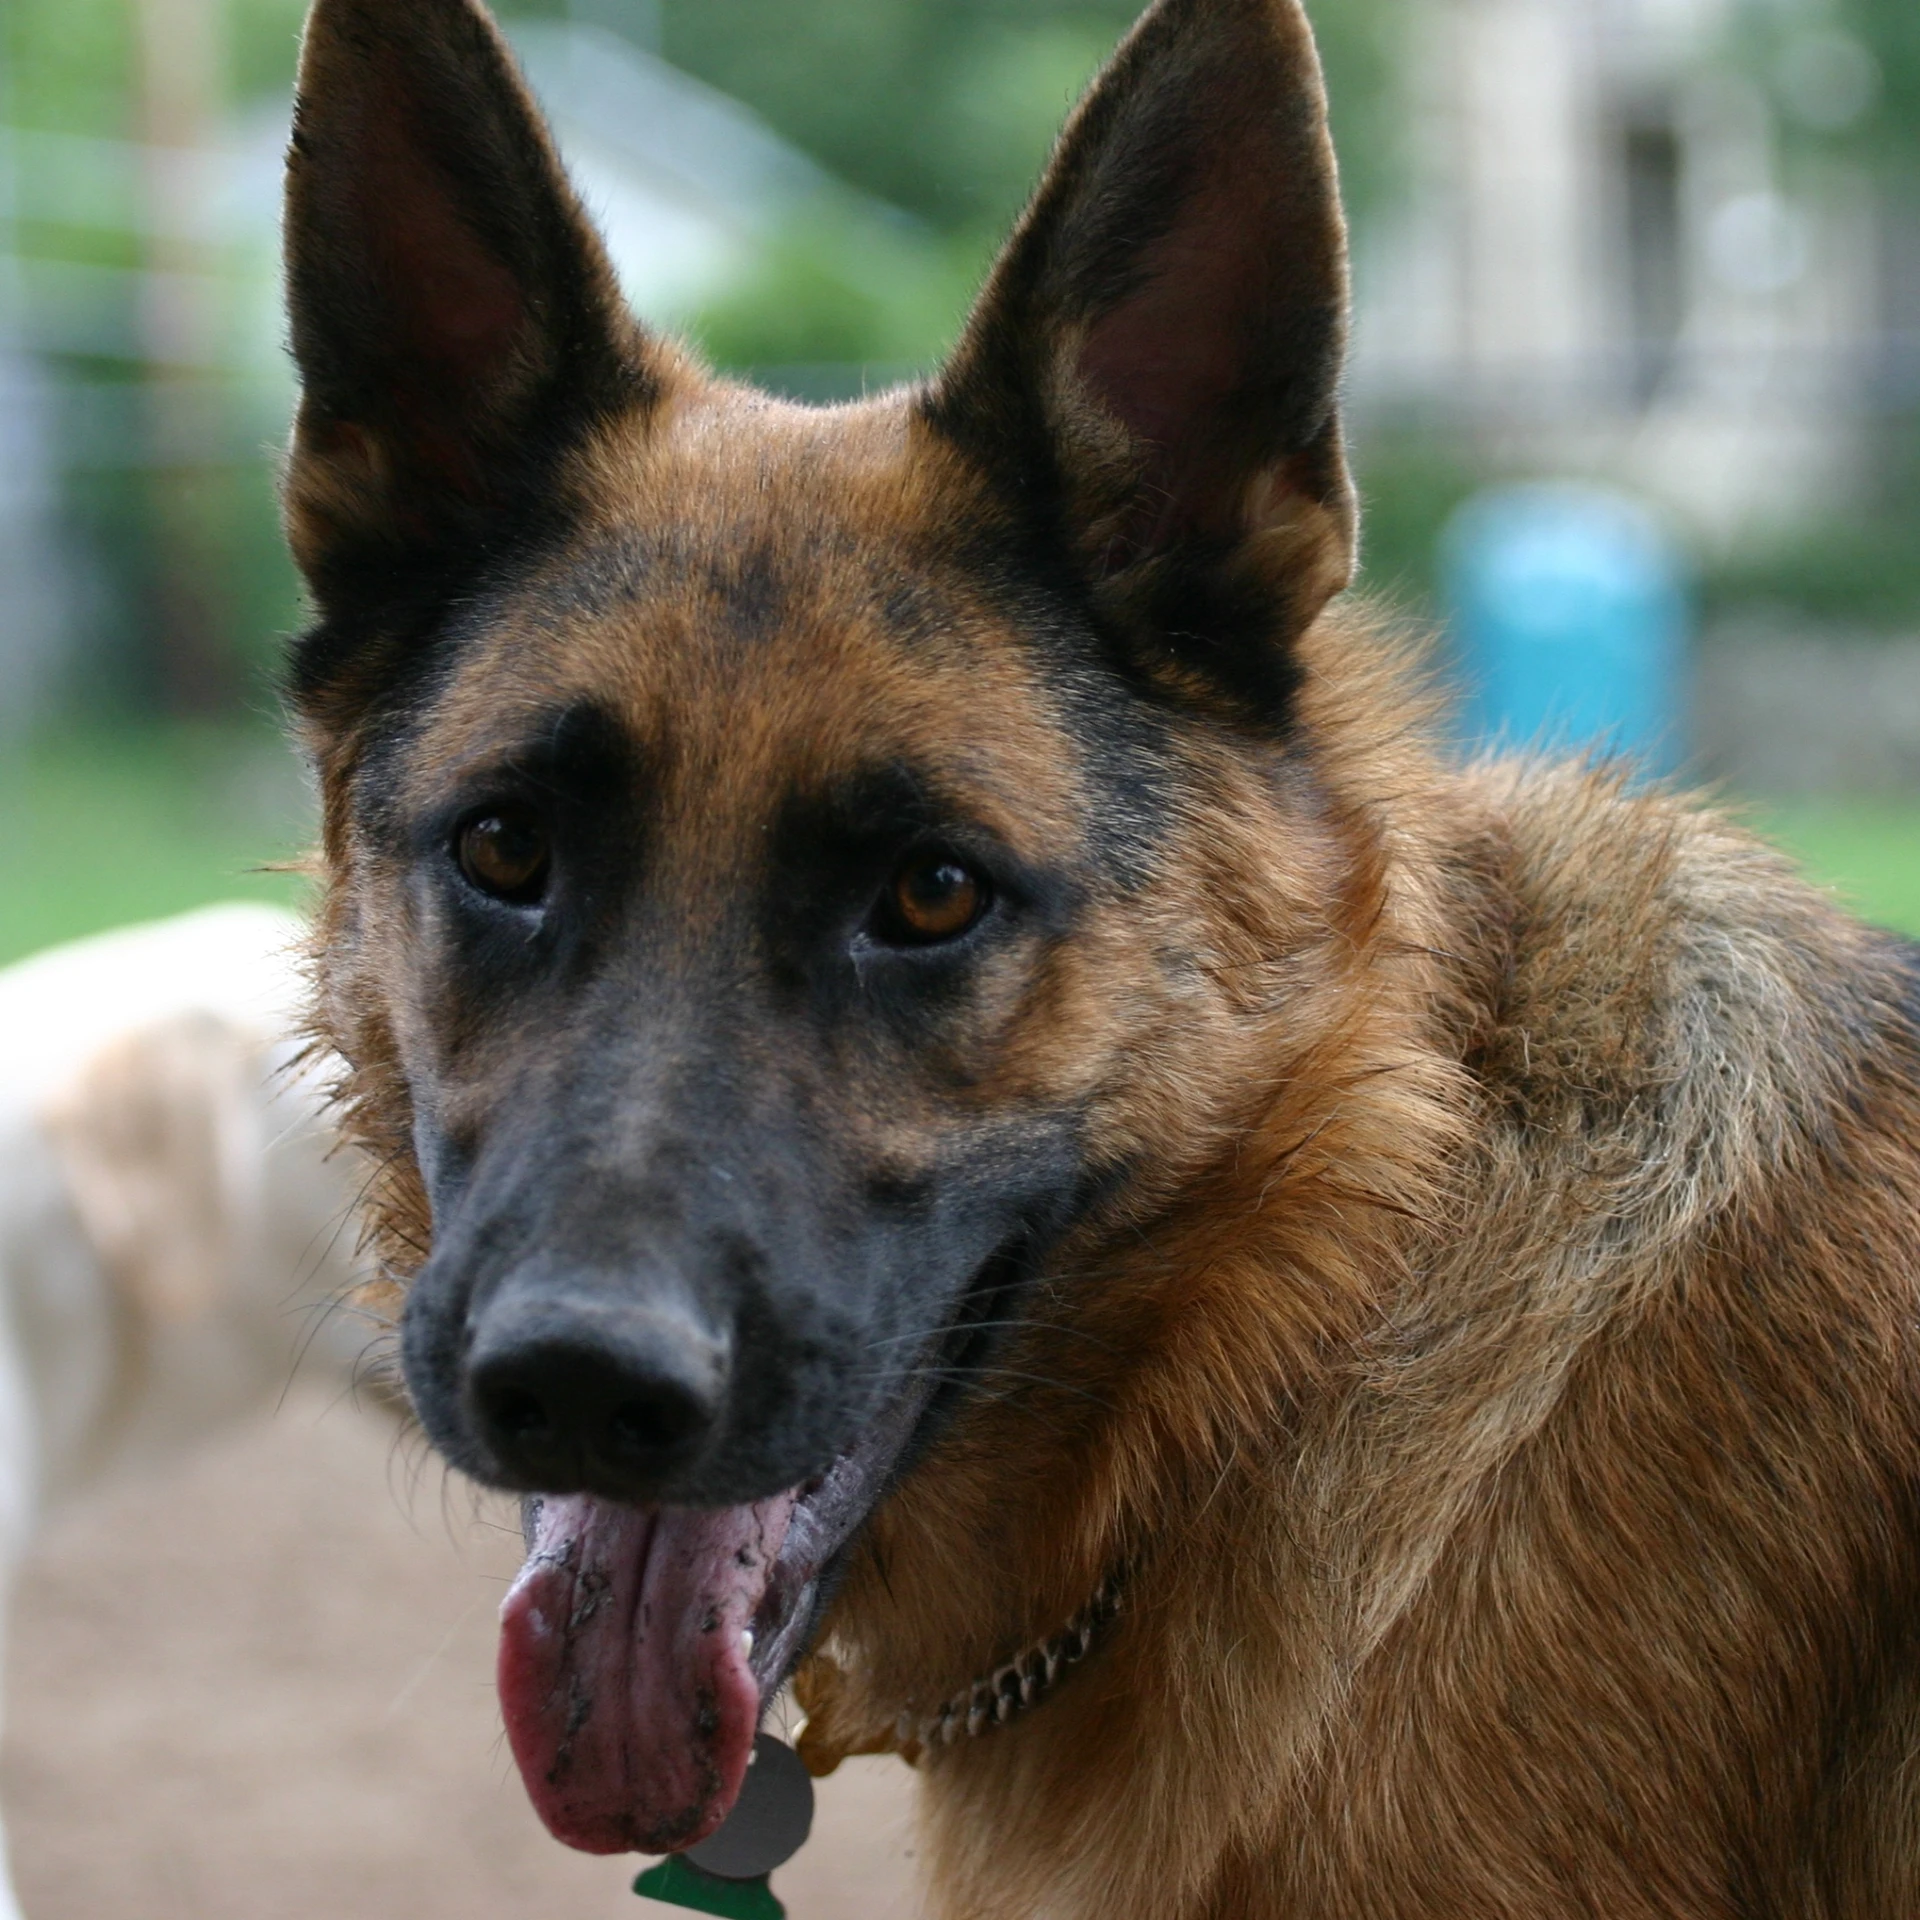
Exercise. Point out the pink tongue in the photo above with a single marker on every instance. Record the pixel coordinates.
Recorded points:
(623, 1677)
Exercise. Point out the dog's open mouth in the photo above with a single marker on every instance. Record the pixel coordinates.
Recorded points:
(639, 1646)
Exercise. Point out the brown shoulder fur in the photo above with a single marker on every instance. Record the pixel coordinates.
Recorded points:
(1594, 1157)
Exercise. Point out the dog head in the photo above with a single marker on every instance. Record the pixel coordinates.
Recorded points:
(786, 866)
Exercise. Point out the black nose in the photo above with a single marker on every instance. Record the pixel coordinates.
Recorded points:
(592, 1396)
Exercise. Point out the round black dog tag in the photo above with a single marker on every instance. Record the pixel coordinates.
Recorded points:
(770, 1821)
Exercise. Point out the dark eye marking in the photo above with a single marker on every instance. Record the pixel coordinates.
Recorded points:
(892, 864)
(562, 812)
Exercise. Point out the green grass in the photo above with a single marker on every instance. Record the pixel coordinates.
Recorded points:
(98, 829)
(1868, 851)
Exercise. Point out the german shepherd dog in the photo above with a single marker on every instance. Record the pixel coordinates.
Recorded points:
(974, 1102)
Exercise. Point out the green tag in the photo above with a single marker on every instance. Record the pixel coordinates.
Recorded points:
(681, 1884)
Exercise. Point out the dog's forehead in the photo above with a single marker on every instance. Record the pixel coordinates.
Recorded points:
(766, 598)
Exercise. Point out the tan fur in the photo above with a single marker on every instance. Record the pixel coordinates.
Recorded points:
(156, 1140)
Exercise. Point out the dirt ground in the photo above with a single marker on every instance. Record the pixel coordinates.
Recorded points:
(258, 1686)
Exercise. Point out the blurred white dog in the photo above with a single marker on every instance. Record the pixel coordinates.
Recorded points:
(174, 1220)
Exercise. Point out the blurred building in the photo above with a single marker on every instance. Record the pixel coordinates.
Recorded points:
(1603, 264)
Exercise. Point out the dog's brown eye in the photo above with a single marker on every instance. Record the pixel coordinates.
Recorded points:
(505, 852)
(932, 896)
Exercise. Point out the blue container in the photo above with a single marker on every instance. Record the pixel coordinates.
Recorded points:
(1570, 616)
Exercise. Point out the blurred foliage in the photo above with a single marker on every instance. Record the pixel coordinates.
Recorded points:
(1842, 72)
(830, 311)
(944, 107)
(1857, 566)
(1860, 572)
(201, 539)
(1844, 77)
(948, 107)
(67, 65)
(262, 44)
(1890, 29)
(1410, 481)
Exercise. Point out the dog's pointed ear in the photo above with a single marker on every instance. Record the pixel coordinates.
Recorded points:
(454, 318)
(1154, 364)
